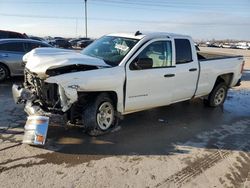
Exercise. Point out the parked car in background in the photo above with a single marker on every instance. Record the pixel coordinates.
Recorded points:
(58, 38)
(12, 34)
(213, 45)
(84, 43)
(243, 46)
(60, 43)
(73, 42)
(11, 54)
(38, 38)
(226, 45)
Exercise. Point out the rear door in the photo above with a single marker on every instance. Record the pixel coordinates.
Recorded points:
(186, 71)
(150, 86)
(11, 54)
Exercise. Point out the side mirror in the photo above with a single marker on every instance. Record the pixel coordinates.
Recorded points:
(143, 63)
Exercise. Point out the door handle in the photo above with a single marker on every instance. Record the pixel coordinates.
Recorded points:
(169, 75)
(192, 69)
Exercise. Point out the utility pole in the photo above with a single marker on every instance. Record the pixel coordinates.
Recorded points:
(86, 27)
(76, 26)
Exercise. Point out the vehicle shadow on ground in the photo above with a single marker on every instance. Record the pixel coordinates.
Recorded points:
(155, 132)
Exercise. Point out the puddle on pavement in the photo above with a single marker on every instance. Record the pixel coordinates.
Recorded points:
(52, 158)
(69, 140)
(68, 159)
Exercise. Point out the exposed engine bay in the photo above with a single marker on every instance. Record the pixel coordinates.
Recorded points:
(69, 69)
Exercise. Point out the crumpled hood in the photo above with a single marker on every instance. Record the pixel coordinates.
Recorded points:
(41, 59)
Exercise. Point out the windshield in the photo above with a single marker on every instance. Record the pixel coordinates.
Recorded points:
(111, 49)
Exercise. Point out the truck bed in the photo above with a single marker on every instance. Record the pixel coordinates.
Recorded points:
(212, 65)
(205, 56)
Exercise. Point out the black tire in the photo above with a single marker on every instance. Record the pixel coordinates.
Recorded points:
(4, 72)
(218, 95)
(92, 116)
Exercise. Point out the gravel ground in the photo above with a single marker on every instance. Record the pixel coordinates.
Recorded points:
(181, 145)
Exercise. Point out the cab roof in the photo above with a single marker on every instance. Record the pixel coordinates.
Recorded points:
(140, 35)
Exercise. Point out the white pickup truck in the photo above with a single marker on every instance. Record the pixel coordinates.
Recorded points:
(123, 73)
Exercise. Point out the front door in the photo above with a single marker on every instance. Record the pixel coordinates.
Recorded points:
(150, 77)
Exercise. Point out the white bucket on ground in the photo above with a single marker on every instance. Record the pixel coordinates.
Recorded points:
(35, 130)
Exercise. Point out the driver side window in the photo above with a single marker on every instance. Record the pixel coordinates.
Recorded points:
(156, 55)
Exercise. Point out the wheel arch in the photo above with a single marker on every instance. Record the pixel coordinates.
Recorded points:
(90, 96)
(226, 78)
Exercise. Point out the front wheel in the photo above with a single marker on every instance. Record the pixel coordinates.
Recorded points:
(218, 95)
(99, 116)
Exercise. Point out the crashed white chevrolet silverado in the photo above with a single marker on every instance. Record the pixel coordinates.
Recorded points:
(123, 73)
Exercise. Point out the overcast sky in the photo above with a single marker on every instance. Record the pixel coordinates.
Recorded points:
(218, 19)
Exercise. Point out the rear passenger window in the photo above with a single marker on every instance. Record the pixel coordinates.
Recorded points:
(14, 47)
(183, 51)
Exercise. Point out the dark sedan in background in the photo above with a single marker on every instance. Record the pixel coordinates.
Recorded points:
(84, 43)
(12, 34)
(74, 41)
(60, 43)
(11, 54)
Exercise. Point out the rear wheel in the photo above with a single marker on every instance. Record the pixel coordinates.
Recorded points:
(4, 73)
(99, 116)
(218, 95)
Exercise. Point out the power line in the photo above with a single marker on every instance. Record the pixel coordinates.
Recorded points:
(169, 8)
(161, 3)
(157, 5)
(135, 2)
(39, 16)
(125, 20)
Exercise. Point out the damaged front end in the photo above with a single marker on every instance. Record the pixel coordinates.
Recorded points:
(41, 97)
